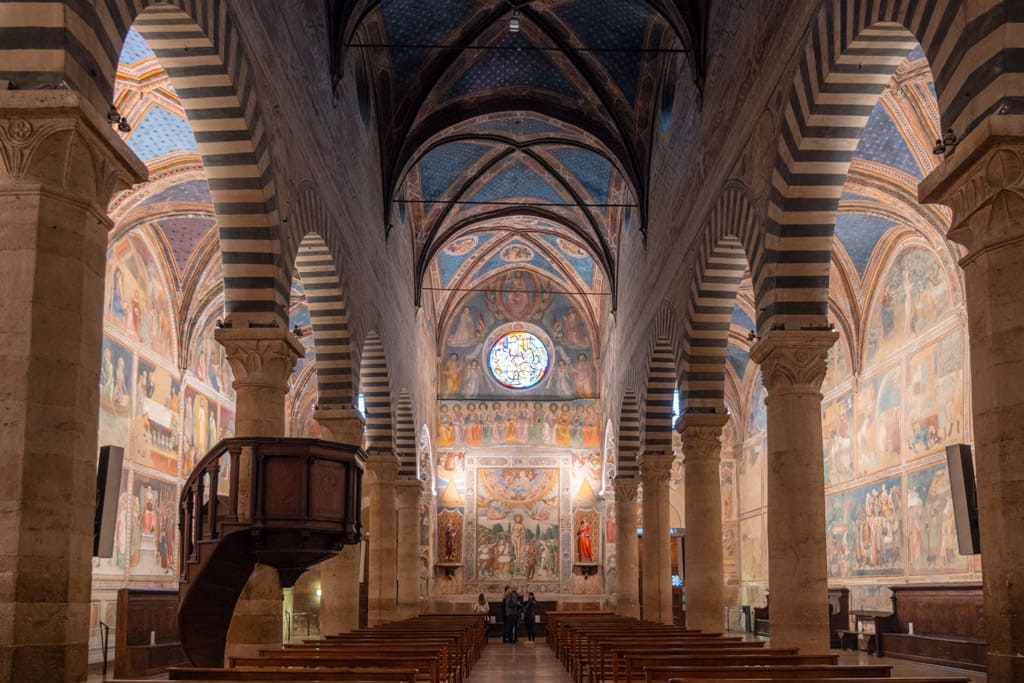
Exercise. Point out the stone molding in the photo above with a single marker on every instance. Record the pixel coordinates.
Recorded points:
(793, 361)
(345, 425)
(260, 357)
(55, 139)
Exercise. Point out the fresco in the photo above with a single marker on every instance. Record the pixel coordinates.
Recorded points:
(865, 530)
(934, 405)
(157, 430)
(931, 526)
(757, 414)
(517, 523)
(753, 549)
(751, 477)
(838, 367)
(727, 476)
(137, 299)
(878, 408)
(451, 506)
(569, 424)
(200, 431)
(837, 436)
(912, 298)
(518, 296)
(209, 362)
(115, 394)
(154, 520)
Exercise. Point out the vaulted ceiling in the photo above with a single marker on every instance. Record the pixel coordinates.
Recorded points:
(495, 117)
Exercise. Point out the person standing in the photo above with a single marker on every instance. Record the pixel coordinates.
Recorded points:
(513, 609)
(529, 617)
(506, 623)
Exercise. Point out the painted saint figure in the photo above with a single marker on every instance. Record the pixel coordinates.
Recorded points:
(449, 543)
(586, 549)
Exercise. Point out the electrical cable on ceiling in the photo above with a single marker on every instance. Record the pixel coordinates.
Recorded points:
(467, 202)
(503, 291)
(520, 48)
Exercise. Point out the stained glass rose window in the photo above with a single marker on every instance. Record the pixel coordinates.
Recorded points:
(518, 360)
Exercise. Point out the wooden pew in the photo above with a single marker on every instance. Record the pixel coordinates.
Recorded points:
(914, 679)
(636, 665)
(395, 674)
(664, 674)
(428, 666)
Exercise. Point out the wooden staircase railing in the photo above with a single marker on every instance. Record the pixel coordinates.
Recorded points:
(286, 503)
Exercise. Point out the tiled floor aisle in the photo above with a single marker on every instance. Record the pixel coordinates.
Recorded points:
(506, 663)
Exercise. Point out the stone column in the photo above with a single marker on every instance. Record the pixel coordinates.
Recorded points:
(983, 182)
(59, 165)
(339, 576)
(262, 360)
(655, 469)
(407, 496)
(705, 587)
(793, 368)
(381, 473)
(627, 555)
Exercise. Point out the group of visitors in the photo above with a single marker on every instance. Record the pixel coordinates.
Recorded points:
(514, 607)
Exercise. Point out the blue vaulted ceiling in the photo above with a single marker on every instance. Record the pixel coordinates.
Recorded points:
(553, 121)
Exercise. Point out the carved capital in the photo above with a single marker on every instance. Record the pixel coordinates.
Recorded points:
(792, 361)
(260, 357)
(702, 436)
(344, 425)
(655, 468)
(382, 467)
(55, 139)
(407, 494)
(983, 183)
(626, 490)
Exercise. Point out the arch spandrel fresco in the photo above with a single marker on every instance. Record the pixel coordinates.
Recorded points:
(138, 300)
(911, 298)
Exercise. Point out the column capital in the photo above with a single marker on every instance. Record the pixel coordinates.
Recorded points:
(793, 361)
(261, 356)
(56, 139)
(344, 424)
(407, 493)
(702, 435)
(626, 489)
(655, 467)
(983, 182)
(382, 466)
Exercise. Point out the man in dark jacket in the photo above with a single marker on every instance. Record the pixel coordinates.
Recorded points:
(513, 608)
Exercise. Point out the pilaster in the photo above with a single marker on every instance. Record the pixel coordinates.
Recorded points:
(627, 553)
(655, 471)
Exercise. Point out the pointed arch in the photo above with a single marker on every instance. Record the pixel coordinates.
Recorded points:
(853, 50)
(329, 317)
(731, 240)
(375, 385)
(661, 387)
(405, 436)
(425, 460)
(629, 435)
(609, 468)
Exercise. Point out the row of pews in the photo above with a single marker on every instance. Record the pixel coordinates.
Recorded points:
(601, 647)
(425, 649)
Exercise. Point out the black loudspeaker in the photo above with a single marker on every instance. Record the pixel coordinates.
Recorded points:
(108, 490)
(965, 497)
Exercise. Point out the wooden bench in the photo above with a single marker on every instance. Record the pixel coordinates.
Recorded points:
(664, 674)
(916, 679)
(395, 674)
